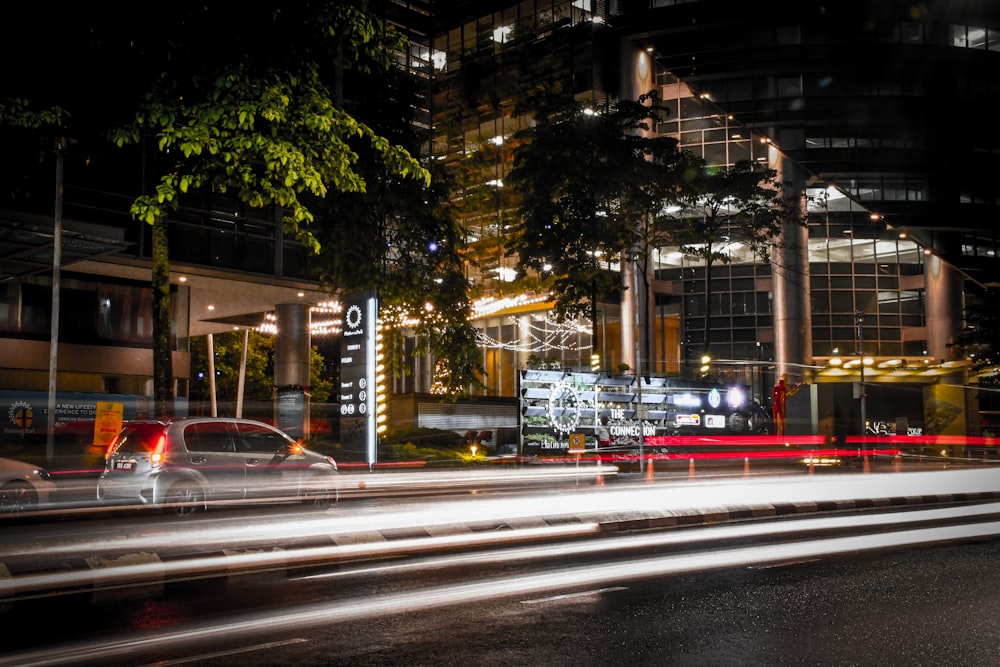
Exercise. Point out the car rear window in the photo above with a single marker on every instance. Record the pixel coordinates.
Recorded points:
(138, 437)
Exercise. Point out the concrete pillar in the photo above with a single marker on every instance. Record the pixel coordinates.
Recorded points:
(292, 345)
(291, 368)
(628, 310)
(944, 307)
(790, 268)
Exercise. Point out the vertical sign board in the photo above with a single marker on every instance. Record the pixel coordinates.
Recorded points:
(357, 373)
(291, 410)
(108, 417)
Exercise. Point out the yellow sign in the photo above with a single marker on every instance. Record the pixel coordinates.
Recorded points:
(107, 422)
(577, 443)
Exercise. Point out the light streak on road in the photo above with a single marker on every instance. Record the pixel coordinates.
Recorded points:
(590, 505)
(295, 621)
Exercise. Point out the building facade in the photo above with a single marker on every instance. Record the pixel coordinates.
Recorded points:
(868, 108)
(849, 102)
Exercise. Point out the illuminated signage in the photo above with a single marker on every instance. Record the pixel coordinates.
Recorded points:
(688, 420)
(735, 397)
(357, 373)
(715, 421)
(714, 398)
(686, 400)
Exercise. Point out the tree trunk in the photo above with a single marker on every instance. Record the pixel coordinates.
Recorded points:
(163, 376)
(594, 323)
(706, 348)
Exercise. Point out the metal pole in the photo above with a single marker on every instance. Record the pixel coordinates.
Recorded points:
(211, 376)
(60, 148)
(860, 317)
(638, 365)
(243, 373)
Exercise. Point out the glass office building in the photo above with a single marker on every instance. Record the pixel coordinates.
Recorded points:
(877, 111)
(855, 102)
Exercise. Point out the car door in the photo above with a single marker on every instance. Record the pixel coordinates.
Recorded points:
(211, 454)
(265, 453)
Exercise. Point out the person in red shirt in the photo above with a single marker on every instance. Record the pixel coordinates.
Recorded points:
(780, 394)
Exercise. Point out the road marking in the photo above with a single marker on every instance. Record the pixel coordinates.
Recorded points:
(221, 654)
(567, 596)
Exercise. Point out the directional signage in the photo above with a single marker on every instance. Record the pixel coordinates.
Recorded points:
(357, 373)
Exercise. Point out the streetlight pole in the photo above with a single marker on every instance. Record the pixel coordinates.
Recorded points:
(57, 230)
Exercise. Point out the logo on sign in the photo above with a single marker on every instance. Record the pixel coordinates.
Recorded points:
(21, 414)
(353, 317)
(714, 398)
(688, 420)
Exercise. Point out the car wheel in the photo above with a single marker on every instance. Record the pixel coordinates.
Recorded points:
(320, 494)
(185, 498)
(17, 497)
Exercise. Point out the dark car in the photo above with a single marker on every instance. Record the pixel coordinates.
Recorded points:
(185, 464)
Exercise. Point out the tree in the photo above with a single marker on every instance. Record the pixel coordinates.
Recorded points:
(259, 374)
(585, 182)
(404, 242)
(18, 112)
(264, 128)
(720, 206)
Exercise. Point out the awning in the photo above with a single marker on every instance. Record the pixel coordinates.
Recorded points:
(27, 244)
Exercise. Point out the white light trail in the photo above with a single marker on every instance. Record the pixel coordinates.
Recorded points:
(607, 575)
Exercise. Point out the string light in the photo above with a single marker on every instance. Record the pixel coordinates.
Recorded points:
(533, 338)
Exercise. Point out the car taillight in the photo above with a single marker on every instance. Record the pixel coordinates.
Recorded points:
(111, 447)
(156, 457)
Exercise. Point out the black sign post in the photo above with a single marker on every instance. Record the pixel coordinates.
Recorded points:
(357, 374)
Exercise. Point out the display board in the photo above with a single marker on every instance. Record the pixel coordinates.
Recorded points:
(618, 411)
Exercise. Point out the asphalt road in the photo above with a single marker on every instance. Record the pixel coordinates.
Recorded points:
(612, 575)
(928, 606)
(919, 607)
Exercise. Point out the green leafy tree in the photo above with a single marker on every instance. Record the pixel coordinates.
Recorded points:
(403, 241)
(586, 181)
(720, 206)
(264, 129)
(18, 112)
(259, 374)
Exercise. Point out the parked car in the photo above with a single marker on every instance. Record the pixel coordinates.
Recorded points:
(23, 486)
(184, 464)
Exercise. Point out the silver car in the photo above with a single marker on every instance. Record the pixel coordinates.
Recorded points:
(23, 486)
(184, 464)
